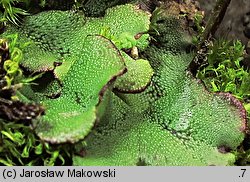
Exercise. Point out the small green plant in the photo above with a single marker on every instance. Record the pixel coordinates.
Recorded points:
(11, 66)
(224, 71)
(198, 19)
(20, 146)
(12, 13)
(14, 74)
(42, 3)
(18, 143)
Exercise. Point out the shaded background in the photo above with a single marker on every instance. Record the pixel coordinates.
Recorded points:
(232, 26)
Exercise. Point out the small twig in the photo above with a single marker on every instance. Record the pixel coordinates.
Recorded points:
(212, 25)
(214, 20)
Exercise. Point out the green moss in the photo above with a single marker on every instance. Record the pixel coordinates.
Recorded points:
(51, 35)
(137, 78)
(20, 146)
(70, 117)
(11, 12)
(175, 121)
(96, 8)
(19, 143)
(224, 71)
(179, 127)
(66, 44)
